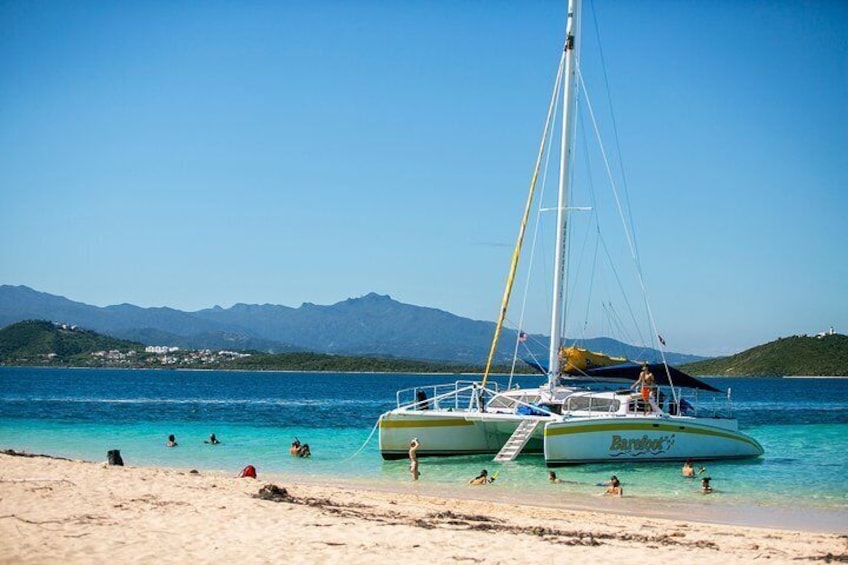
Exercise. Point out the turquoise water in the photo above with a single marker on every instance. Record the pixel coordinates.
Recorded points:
(81, 414)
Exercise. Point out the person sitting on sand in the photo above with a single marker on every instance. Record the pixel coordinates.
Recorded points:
(294, 450)
(413, 458)
(614, 487)
(212, 440)
(553, 478)
(705, 485)
(172, 441)
(481, 479)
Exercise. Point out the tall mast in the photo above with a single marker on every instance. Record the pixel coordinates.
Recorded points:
(562, 219)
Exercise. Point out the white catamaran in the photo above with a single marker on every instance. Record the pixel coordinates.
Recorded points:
(578, 415)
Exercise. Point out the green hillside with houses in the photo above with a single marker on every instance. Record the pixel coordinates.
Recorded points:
(48, 344)
(39, 342)
(812, 356)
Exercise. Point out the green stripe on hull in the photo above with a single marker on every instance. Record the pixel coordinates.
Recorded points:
(428, 423)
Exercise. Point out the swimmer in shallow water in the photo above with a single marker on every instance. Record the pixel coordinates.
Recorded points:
(481, 479)
(614, 487)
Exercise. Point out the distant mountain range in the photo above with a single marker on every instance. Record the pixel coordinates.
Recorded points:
(373, 325)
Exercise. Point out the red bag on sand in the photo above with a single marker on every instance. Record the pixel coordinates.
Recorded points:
(249, 471)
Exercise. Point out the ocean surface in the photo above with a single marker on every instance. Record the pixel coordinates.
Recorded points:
(82, 413)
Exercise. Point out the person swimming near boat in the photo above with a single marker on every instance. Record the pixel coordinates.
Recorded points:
(689, 469)
(413, 458)
(482, 479)
(705, 485)
(212, 440)
(553, 478)
(304, 451)
(614, 487)
(295, 447)
(647, 382)
(172, 441)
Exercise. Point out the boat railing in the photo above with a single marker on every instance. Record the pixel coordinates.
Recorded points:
(469, 396)
(460, 395)
(697, 403)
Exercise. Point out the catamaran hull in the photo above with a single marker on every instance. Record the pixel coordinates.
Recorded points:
(445, 434)
(590, 440)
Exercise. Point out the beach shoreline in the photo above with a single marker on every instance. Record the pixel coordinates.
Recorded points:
(58, 510)
(798, 518)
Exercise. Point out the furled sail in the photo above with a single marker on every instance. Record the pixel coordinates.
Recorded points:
(576, 360)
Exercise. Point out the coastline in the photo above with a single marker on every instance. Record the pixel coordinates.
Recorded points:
(58, 510)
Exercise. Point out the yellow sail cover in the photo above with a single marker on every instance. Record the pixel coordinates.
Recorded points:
(575, 360)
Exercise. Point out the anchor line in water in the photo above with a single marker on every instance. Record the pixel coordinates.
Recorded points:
(367, 440)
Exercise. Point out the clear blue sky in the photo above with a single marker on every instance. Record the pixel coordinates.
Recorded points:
(188, 154)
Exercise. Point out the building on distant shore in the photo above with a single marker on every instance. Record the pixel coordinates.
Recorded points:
(160, 349)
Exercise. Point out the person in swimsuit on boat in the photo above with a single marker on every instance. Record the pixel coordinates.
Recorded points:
(647, 383)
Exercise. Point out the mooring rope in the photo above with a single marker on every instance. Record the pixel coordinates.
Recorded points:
(358, 451)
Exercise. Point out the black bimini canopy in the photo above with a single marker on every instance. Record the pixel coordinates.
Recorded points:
(630, 372)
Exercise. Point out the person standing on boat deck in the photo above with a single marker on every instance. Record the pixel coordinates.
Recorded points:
(647, 382)
(413, 458)
(421, 399)
(478, 393)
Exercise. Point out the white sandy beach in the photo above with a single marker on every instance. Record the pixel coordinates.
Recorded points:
(60, 511)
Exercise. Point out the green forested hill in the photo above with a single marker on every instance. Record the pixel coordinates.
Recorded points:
(790, 356)
(38, 342)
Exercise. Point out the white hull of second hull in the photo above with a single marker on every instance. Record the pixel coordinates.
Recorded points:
(449, 433)
(595, 440)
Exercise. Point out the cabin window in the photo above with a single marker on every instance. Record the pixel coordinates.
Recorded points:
(593, 404)
(507, 403)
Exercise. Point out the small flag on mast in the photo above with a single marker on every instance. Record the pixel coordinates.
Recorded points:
(662, 341)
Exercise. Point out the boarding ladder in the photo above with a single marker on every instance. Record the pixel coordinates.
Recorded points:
(517, 440)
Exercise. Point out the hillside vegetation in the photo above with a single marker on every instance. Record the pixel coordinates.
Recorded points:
(790, 356)
(42, 343)
(38, 342)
